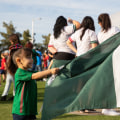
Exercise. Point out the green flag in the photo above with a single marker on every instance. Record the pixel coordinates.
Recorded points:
(90, 81)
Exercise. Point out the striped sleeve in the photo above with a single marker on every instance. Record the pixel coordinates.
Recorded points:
(93, 38)
(70, 39)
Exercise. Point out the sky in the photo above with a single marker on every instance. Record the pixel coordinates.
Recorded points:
(23, 12)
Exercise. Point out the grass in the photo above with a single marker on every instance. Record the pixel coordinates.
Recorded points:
(6, 108)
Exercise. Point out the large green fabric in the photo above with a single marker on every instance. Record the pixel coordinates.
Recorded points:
(84, 83)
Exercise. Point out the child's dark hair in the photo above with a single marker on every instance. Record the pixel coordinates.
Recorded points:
(14, 38)
(12, 65)
(29, 45)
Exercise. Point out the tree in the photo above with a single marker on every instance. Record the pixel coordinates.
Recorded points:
(26, 36)
(46, 40)
(10, 29)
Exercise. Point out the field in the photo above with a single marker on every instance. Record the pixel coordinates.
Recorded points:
(6, 108)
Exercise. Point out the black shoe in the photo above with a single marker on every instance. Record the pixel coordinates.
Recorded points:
(3, 98)
(11, 98)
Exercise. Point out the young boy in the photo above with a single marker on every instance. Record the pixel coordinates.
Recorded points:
(25, 100)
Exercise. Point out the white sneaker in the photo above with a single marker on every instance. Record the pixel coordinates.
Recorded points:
(110, 112)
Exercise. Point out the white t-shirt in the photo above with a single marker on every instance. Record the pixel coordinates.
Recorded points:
(60, 42)
(102, 35)
(83, 45)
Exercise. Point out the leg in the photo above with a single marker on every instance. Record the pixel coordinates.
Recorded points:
(50, 64)
(7, 87)
(4, 77)
(0, 79)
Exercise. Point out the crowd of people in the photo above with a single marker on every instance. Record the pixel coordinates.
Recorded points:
(40, 63)
(66, 43)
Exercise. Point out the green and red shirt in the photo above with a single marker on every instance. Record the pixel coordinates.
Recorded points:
(25, 100)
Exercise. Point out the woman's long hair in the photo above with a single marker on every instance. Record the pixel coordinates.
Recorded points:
(87, 23)
(59, 25)
(14, 38)
(105, 21)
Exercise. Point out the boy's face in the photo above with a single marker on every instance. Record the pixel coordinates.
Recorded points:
(27, 62)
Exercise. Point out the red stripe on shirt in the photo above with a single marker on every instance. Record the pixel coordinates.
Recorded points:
(50, 45)
(21, 100)
(70, 39)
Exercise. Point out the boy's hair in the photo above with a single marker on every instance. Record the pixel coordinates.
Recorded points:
(29, 45)
(14, 38)
(12, 65)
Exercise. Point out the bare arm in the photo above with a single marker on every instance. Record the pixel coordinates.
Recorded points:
(42, 74)
(76, 23)
(53, 50)
(50, 64)
(69, 43)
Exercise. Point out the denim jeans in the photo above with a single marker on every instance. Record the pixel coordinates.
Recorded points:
(23, 117)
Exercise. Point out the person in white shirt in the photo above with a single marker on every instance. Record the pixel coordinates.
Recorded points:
(57, 45)
(85, 37)
(106, 32)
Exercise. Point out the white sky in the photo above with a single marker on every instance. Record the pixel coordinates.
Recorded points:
(22, 12)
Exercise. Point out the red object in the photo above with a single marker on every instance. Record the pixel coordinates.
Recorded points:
(3, 61)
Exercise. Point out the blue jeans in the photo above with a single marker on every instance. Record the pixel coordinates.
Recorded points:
(39, 67)
(23, 117)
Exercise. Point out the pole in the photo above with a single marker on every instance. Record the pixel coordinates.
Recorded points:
(32, 31)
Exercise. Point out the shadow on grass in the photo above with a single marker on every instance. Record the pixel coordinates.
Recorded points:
(6, 102)
(65, 116)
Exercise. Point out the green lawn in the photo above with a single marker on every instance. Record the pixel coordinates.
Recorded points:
(6, 107)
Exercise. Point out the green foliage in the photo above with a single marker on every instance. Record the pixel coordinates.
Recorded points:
(46, 40)
(10, 29)
(4, 42)
(26, 36)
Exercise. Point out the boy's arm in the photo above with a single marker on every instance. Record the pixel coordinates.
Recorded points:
(42, 74)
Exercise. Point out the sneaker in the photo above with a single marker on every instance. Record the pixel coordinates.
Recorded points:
(110, 112)
(3, 98)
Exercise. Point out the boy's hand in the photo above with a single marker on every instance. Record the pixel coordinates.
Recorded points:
(54, 70)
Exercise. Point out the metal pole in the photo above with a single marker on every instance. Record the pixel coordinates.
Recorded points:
(32, 31)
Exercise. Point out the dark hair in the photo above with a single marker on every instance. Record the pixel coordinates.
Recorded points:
(87, 23)
(59, 25)
(29, 45)
(12, 65)
(105, 21)
(14, 38)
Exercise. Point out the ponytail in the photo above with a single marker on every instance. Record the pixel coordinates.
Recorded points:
(11, 67)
